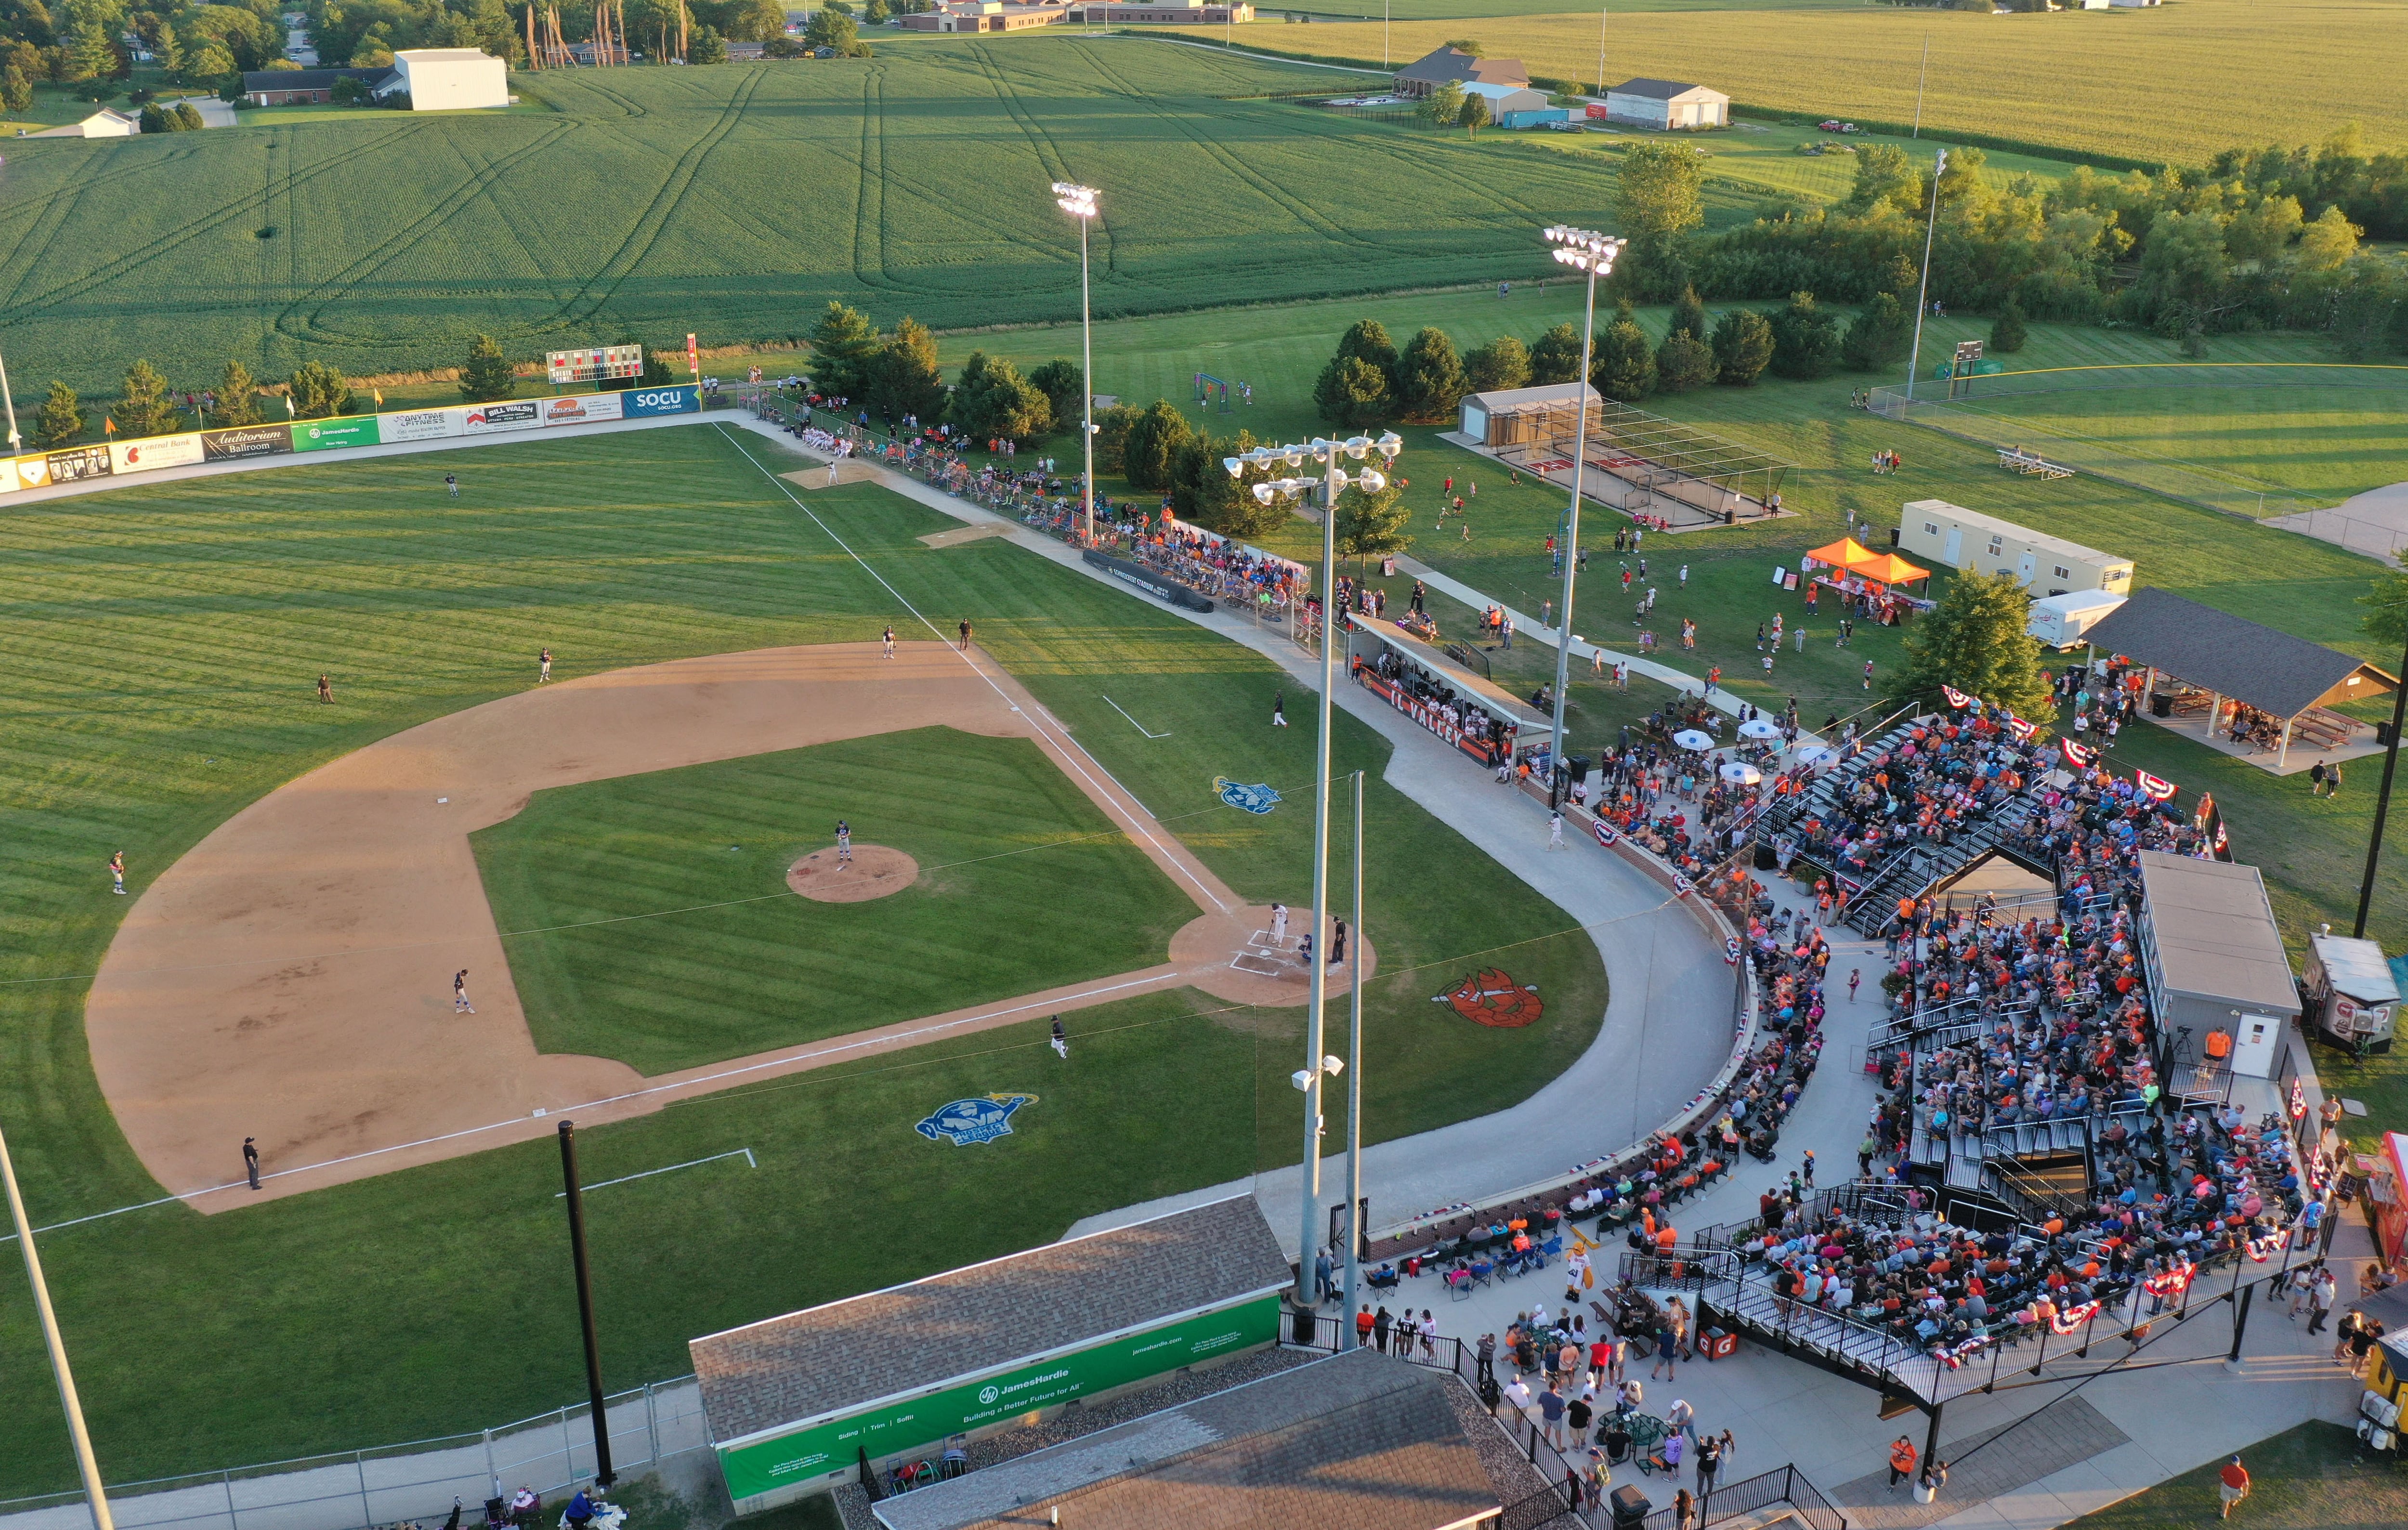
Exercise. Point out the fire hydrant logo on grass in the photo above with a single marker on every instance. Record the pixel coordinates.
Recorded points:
(1491, 997)
(1257, 799)
(965, 1122)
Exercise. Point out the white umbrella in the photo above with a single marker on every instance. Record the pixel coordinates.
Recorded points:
(1741, 773)
(1690, 738)
(1819, 754)
(1758, 727)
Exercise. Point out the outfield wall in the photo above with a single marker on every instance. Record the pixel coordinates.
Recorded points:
(246, 443)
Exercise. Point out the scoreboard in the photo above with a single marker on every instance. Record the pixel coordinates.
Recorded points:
(610, 361)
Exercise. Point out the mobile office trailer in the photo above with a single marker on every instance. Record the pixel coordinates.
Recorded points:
(2351, 991)
(1975, 543)
(2058, 622)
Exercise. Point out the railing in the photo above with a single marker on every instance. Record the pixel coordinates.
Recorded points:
(550, 1453)
(1787, 1485)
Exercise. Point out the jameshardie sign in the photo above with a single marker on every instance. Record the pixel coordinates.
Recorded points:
(805, 1454)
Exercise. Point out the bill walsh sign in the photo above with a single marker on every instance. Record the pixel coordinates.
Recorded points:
(803, 1453)
(238, 442)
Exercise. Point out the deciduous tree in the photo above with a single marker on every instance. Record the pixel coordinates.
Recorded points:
(992, 400)
(1660, 190)
(1372, 525)
(1064, 387)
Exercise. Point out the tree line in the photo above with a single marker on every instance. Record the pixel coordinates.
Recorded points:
(2256, 238)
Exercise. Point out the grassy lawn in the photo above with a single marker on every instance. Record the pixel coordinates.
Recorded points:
(2315, 1477)
(2058, 80)
(992, 823)
(160, 643)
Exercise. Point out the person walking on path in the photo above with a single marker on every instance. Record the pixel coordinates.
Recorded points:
(2320, 1300)
(543, 667)
(1667, 1344)
(1808, 1175)
(1555, 831)
(966, 636)
(459, 1005)
(890, 640)
(1279, 710)
(326, 691)
(117, 872)
(1902, 1461)
(2232, 1485)
(250, 1160)
(1061, 1042)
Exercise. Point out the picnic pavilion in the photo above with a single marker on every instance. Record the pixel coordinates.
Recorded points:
(2238, 687)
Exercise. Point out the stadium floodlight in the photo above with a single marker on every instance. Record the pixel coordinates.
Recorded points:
(1236, 465)
(1079, 203)
(1388, 444)
(1358, 447)
(1587, 250)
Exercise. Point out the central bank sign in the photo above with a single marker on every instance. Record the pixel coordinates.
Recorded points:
(802, 1455)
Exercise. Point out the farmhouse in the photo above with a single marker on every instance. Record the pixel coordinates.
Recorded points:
(304, 87)
(1984, 543)
(450, 78)
(102, 123)
(1668, 105)
(1435, 69)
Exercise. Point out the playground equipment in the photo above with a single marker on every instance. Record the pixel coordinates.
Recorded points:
(1210, 390)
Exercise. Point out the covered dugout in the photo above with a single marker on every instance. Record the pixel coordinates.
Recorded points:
(797, 1404)
(2250, 689)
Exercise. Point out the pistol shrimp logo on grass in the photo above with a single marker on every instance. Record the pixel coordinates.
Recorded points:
(1258, 798)
(966, 1123)
(1491, 997)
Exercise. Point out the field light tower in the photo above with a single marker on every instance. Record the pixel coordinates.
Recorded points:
(1333, 477)
(1079, 203)
(1922, 292)
(1584, 249)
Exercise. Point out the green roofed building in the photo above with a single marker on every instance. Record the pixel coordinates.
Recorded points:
(797, 1404)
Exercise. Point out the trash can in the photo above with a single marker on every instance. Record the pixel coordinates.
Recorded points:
(2161, 704)
(1765, 858)
(1631, 1506)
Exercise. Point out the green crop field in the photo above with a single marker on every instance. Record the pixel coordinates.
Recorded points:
(992, 822)
(2067, 79)
(734, 201)
(160, 643)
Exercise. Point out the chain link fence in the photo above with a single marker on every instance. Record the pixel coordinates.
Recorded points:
(418, 1480)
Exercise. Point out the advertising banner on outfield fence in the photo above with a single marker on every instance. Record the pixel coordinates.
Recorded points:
(644, 403)
(417, 425)
(326, 434)
(582, 409)
(812, 1453)
(149, 451)
(74, 463)
(509, 414)
(246, 441)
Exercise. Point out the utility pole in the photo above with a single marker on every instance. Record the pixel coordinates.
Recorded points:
(575, 1192)
(1602, 12)
(1922, 292)
(1355, 1230)
(2381, 801)
(1921, 75)
(94, 1493)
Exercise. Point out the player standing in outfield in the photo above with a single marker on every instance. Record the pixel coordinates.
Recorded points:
(1279, 710)
(966, 635)
(843, 843)
(451, 482)
(1061, 1042)
(890, 641)
(326, 691)
(117, 871)
(544, 667)
(459, 1005)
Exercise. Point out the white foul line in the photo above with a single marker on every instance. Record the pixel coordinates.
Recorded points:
(745, 1153)
(1133, 721)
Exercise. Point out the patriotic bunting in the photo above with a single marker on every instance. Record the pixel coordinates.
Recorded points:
(2157, 787)
(2077, 753)
(2071, 1319)
(1957, 698)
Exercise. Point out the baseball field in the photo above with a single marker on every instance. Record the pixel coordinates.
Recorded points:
(301, 894)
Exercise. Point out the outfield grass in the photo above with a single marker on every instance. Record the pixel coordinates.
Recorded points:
(162, 642)
(992, 823)
(2065, 79)
(2313, 1477)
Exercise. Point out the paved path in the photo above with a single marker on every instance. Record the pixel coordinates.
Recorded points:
(1669, 1018)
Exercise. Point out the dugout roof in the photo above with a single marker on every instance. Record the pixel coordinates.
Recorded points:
(853, 1352)
(2232, 656)
(1357, 1441)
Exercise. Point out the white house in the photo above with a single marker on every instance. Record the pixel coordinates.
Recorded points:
(104, 124)
(450, 79)
(1666, 105)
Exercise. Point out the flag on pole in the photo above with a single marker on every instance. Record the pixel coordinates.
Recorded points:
(107, 425)
(288, 405)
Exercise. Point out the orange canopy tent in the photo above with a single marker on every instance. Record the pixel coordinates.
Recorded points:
(1847, 552)
(1888, 568)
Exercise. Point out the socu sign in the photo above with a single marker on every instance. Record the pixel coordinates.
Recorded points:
(813, 1452)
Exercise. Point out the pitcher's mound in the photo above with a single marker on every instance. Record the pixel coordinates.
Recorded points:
(874, 871)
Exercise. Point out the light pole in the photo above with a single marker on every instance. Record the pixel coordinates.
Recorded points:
(1923, 289)
(16, 442)
(1079, 203)
(1355, 1230)
(1594, 253)
(94, 1493)
(1334, 477)
(1603, 12)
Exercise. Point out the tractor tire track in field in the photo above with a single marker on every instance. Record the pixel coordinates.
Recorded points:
(1049, 155)
(598, 290)
(289, 321)
(1297, 207)
(167, 244)
(869, 197)
(55, 208)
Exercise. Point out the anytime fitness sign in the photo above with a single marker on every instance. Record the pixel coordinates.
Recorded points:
(802, 1456)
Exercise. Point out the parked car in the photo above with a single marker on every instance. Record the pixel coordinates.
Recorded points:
(1829, 124)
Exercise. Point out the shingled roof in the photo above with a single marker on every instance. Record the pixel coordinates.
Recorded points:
(852, 1353)
(1440, 64)
(1355, 1442)
(2232, 656)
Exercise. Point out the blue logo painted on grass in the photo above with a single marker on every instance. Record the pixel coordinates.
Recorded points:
(1254, 800)
(967, 1121)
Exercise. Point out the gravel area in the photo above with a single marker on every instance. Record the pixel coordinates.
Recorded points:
(1509, 1470)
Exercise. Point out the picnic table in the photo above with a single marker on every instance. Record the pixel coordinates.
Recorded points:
(2027, 462)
